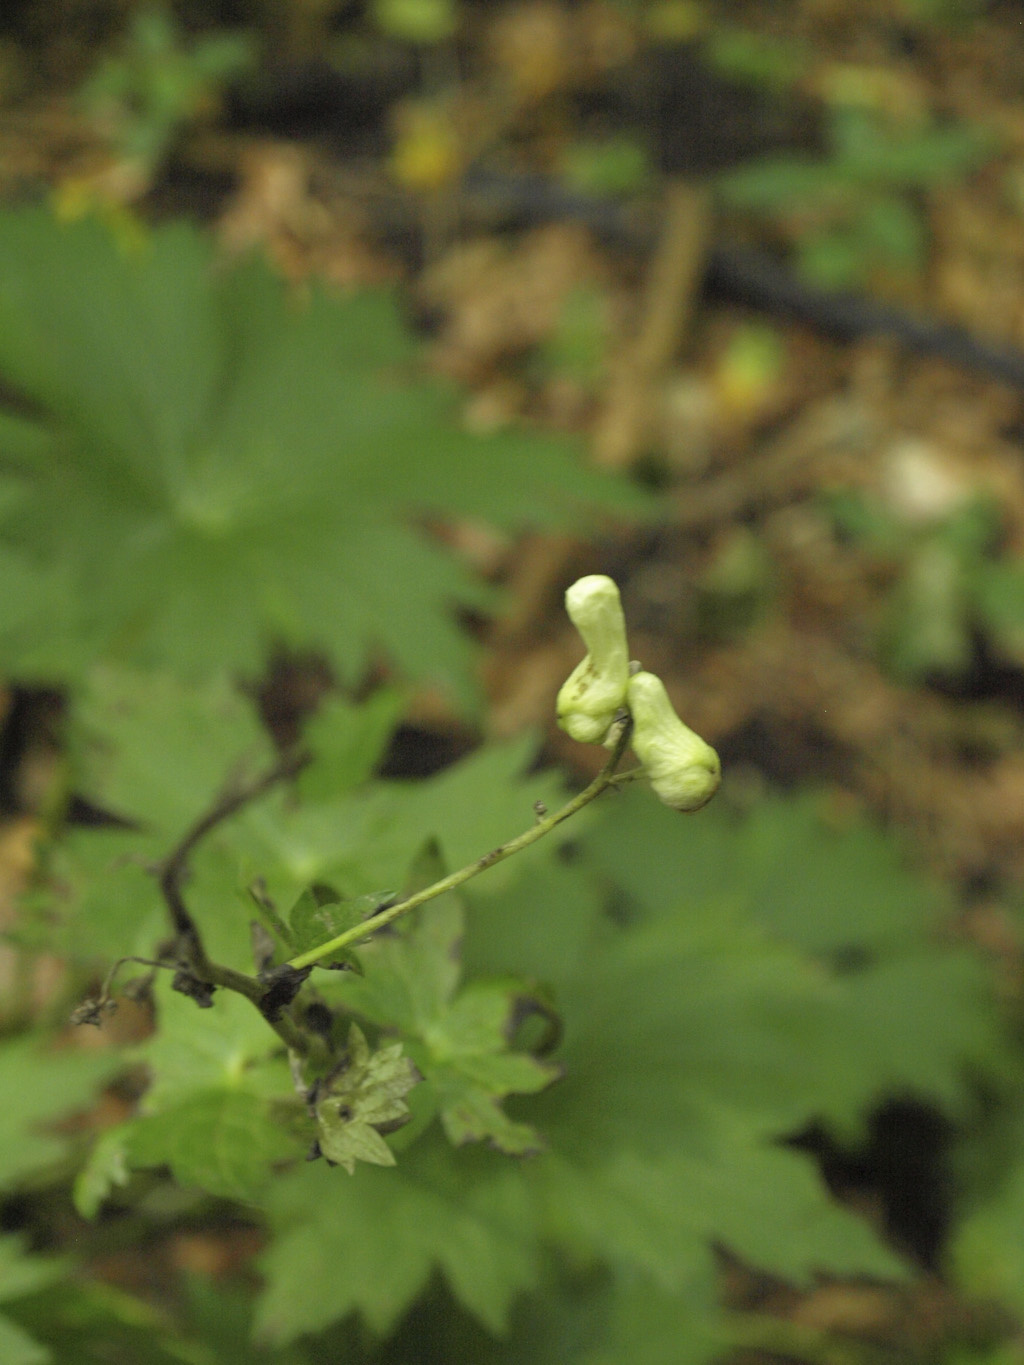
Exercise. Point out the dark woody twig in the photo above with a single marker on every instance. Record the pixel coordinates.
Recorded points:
(197, 975)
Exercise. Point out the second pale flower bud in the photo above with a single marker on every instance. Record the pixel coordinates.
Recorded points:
(684, 771)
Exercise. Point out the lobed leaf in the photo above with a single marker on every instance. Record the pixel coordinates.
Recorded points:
(369, 1244)
(228, 470)
(366, 1094)
(221, 1141)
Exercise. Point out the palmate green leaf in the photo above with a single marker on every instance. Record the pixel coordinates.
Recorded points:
(102, 885)
(100, 902)
(84, 1321)
(226, 1047)
(681, 1014)
(230, 469)
(357, 841)
(601, 1318)
(714, 1023)
(923, 1023)
(370, 1243)
(217, 1109)
(888, 1006)
(728, 1017)
(468, 808)
(540, 927)
(156, 753)
(347, 742)
(633, 1200)
(365, 1095)
(660, 1213)
(160, 753)
(831, 888)
(593, 1317)
(643, 1324)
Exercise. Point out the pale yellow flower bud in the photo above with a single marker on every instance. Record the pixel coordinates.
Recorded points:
(596, 688)
(683, 770)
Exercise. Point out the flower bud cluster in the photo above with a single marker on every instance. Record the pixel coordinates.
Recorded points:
(683, 770)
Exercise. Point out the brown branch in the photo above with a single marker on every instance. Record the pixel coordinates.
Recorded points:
(197, 975)
(172, 871)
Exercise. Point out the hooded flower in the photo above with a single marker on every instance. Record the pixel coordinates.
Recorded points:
(684, 771)
(596, 688)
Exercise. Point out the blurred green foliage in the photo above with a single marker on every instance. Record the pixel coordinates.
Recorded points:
(417, 21)
(612, 167)
(160, 82)
(949, 585)
(853, 213)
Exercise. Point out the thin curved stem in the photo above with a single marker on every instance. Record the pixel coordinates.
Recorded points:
(605, 779)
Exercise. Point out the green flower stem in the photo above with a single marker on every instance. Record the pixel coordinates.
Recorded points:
(606, 778)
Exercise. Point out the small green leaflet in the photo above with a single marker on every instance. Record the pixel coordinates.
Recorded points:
(365, 1096)
(320, 915)
(105, 1168)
